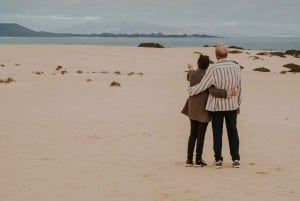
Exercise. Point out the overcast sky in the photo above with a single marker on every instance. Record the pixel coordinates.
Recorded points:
(215, 17)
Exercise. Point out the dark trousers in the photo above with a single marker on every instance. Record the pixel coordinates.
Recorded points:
(197, 133)
(232, 133)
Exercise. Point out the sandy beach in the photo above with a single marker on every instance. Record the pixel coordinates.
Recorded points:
(67, 135)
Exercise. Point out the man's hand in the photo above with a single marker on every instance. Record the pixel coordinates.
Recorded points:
(238, 110)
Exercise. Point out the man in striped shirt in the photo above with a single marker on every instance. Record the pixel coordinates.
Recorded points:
(224, 74)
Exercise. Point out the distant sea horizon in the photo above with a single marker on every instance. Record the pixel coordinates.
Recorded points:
(255, 43)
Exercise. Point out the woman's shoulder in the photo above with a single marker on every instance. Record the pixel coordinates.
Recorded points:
(196, 77)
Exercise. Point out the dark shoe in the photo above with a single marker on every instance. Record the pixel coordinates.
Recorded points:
(188, 163)
(200, 163)
(218, 164)
(236, 164)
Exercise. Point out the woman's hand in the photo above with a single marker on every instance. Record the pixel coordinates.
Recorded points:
(190, 66)
(233, 92)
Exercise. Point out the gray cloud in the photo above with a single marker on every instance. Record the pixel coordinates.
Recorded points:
(231, 17)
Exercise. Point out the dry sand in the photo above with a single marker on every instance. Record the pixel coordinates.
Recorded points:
(66, 135)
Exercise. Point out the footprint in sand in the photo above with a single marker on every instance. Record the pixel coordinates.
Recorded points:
(261, 173)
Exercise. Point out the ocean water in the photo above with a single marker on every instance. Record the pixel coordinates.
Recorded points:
(268, 43)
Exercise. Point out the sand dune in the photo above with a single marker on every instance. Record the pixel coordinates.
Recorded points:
(65, 138)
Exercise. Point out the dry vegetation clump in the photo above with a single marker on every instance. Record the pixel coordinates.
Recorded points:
(38, 72)
(262, 53)
(236, 47)
(2, 65)
(131, 73)
(58, 68)
(63, 72)
(117, 72)
(104, 72)
(115, 84)
(7, 81)
(279, 54)
(294, 68)
(235, 51)
(153, 45)
(295, 53)
(89, 80)
(262, 69)
(255, 58)
(79, 71)
(141, 74)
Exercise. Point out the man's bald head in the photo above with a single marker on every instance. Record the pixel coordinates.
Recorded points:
(221, 51)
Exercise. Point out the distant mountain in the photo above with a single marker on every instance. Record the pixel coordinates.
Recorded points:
(16, 30)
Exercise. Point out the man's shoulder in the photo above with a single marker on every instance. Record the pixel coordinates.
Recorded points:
(224, 63)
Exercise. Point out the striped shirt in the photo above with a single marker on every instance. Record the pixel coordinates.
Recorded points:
(224, 74)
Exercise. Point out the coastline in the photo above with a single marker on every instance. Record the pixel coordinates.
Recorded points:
(254, 43)
(71, 136)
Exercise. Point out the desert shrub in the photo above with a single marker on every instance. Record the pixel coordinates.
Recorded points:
(58, 68)
(295, 53)
(279, 54)
(255, 58)
(115, 84)
(262, 53)
(293, 67)
(235, 52)
(155, 45)
(8, 80)
(262, 69)
(236, 47)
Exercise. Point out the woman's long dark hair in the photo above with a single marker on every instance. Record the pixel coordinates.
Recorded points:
(203, 62)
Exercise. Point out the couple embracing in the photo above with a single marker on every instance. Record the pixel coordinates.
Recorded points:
(215, 94)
